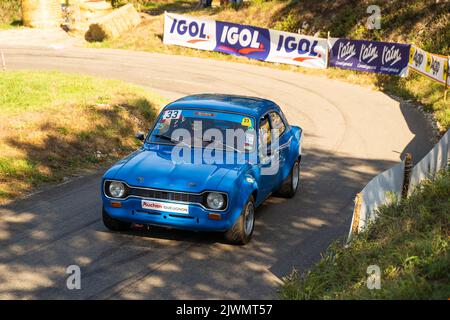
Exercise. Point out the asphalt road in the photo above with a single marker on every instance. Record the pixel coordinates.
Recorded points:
(351, 133)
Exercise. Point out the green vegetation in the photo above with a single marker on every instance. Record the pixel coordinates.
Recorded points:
(54, 124)
(425, 23)
(410, 244)
(10, 15)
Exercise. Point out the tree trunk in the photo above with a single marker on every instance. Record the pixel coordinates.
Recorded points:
(204, 3)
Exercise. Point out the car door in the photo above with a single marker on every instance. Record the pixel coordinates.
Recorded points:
(280, 132)
(268, 160)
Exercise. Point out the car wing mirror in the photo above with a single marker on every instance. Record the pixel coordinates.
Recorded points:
(140, 136)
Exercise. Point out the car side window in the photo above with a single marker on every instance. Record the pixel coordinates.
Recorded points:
(277, 124)
(264, 130)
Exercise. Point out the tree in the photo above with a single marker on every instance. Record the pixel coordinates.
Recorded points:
(205, 3)
(208, 3)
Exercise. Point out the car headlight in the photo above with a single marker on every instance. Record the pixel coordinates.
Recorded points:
(116, 189)
(215, 200)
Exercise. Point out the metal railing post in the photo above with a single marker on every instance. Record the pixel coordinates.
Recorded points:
(407, 175)
(356, 213)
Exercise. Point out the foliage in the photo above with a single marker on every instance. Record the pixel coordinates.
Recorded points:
(410, 244)
(54, 124)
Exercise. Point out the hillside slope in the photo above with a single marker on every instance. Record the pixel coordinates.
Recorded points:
(425, 23)
(409, 243)
(56, 124)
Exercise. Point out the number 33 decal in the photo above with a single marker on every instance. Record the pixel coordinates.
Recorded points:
(172, 114)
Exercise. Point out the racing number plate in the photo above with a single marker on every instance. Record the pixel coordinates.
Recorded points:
(165, 206)
(172, 114)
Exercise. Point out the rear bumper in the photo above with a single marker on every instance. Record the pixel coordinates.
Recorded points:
(197, 219)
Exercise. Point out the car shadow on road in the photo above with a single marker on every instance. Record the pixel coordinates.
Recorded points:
(425, 136)
(41, 235)
(157, 232)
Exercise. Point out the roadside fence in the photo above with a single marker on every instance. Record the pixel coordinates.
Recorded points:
(396, 183)
(436, 160)
(305, 51)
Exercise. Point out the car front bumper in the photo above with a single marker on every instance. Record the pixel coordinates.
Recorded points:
(197, 219)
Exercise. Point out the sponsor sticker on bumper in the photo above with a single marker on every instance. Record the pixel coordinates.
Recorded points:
(165, 206)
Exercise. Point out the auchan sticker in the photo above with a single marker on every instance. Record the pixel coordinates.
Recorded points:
(165, 206)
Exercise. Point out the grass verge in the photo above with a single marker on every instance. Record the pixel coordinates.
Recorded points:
(410, 244)
(415, 21)
(10, 14)
(55, 124)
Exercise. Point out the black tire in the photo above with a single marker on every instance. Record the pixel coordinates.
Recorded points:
(114, 224)
(288, 189)
(238, 234)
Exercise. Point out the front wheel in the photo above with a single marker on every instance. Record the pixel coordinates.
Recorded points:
(242, 230)
(114, 224)
(290, 185)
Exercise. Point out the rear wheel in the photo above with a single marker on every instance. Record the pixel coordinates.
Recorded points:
(242, 230)
(114, 224)
(290, 185)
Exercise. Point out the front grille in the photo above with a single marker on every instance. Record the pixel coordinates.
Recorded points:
(166, 195)
(180, 216)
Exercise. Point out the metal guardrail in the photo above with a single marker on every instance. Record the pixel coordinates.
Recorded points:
(437, 159)
(381, 190)
(397, 182)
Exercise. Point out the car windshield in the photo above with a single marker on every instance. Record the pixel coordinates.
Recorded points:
(229, 131)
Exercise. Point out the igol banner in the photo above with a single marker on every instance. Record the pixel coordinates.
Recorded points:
(370, 56)
(248, 41)
(189, 32)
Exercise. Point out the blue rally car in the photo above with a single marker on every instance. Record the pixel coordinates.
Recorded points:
(206, 164)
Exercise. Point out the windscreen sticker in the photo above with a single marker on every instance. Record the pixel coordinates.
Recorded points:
(197, 125)
(172, 114)
(246, 122)
(249, 139)
(205, 114)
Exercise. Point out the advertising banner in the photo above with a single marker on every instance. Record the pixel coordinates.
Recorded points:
(189, 32)
(431, 65)
(369, 56)
(292, 48)
(248, 41)
(242, 40)
(305, 51)
(448, 73)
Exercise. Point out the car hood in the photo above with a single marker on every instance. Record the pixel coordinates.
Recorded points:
(153, 168)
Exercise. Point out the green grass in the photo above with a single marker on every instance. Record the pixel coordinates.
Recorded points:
(424, 23)
(38, 91)
(55, 124)
(10, 14)
(410, 244)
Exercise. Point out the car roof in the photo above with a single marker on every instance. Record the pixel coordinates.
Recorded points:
(225, 102)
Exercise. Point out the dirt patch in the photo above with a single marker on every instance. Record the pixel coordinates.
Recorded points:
(53, 125)
(54, 38)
